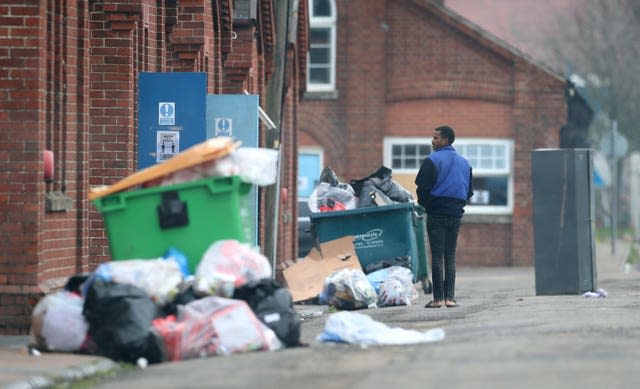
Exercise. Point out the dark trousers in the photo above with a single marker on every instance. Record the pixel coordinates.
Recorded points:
(443, 237)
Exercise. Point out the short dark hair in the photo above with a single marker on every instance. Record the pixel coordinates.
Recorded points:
(447, 132)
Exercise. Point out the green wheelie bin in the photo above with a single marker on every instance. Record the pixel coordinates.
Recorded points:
(380, 233)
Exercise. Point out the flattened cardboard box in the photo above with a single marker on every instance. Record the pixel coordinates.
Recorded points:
(305, 279)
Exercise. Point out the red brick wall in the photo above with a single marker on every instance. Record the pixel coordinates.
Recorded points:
(364, 85)
(64, 249)
(44, 106)
(22, 121)
(405, 67)
(483, 244)
(468, 117)
(428, 58)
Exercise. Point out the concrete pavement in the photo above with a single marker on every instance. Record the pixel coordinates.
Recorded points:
(19, 369)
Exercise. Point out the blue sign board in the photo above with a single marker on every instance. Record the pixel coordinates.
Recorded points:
(171, 114)
(236, 116)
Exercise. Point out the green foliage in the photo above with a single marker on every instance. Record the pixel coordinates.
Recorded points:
(604, 233)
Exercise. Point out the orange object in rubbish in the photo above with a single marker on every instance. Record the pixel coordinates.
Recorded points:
(208, 150)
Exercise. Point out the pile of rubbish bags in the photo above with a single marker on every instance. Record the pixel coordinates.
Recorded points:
(379, 188)
(153, 309)
(351, 289)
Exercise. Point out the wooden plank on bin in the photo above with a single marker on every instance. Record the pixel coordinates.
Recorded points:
(208, 150)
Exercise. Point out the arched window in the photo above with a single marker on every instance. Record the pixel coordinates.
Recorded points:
(321, 72)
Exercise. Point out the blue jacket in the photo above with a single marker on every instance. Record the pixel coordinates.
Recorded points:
(444, 183)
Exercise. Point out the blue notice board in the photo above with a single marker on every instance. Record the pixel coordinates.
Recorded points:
(236, 116)
(171, 114)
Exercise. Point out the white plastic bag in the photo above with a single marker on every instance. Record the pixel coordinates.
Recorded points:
(214, 326)
(57, 323)
(358, 328)
(235, 325)
(397, 287)
(348, 289)
(324, 194)
(228, 264)
(158, 277)
(257, 165)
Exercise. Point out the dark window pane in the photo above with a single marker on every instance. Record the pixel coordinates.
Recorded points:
(425, 150)
(411, 162)
(319, 76)
(410, 149)
(319, 56)
(490, 191)
(321, 8)
(320, 35)
(396, 150)
(396, 163)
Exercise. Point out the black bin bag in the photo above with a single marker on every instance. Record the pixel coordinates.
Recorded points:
(273, 305)
(382, 180)
(119, 317)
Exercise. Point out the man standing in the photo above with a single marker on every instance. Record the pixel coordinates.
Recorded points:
(444, 186)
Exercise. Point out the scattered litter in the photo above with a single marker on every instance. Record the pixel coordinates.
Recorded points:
(358, 328)
(308, 315)
(600, 293)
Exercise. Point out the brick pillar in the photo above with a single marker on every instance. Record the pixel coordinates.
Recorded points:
(365, 88)
(113, 81)
(22, 124)
(539, 110)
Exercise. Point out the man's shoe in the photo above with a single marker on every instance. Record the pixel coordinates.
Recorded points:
(434, 304)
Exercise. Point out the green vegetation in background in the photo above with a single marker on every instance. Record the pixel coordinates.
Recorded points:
(604, 233)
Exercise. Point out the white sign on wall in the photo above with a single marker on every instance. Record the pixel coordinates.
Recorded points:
(223, 127)
(168, 145)
(167, 113)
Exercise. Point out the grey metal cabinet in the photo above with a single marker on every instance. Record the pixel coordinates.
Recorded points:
(563, 209)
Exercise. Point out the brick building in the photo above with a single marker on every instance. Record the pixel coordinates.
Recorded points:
(68, 84)
(383, 74)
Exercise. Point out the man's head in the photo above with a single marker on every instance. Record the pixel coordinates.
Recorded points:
(442, 136)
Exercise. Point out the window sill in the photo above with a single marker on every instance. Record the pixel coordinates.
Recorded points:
(322, 95)
(57, 202)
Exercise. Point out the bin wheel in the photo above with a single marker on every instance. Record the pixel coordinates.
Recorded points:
(427, 287)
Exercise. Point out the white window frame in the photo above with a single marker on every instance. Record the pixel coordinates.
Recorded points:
(389, 142)
(330, 23)
(492, 172)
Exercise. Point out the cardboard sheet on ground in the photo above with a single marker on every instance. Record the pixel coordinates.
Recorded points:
(305, 279)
